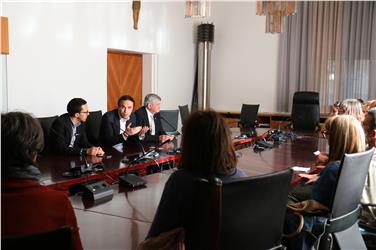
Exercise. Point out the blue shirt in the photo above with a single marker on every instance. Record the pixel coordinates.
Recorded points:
(324, 188)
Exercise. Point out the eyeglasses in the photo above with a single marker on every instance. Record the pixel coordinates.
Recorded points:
(87, 113)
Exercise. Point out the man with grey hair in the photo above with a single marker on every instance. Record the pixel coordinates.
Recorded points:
(149, 116)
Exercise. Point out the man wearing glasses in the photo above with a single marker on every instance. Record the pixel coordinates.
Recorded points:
(68, 133)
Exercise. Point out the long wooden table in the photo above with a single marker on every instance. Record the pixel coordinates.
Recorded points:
(53, 166)
(123, 222)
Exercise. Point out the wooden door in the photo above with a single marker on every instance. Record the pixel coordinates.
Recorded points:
(124, 77)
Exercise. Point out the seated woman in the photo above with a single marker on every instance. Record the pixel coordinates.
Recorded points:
(26, 206)
(207, 150)
(345, 135)
(351, 107)
(369, 192)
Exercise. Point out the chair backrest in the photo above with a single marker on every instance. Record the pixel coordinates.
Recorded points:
(248, 115)
(350, 184)
(93, 126)
(305, 114)
(59, 239)
(342, 231)
(46, 123)
(169, 120)
(184, 113)
(245, 213)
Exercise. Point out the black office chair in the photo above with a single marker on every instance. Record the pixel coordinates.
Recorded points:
(169, 121)
(184, 113)
(59, 239)
(93, 126)
(305, 114)
(245, 213)
(342, 231)
(248, 116)
(46, 123)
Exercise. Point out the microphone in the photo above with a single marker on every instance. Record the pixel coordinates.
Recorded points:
(169, 124)
(86, 168)
(132, 179)
(150, 151)
(141, 146)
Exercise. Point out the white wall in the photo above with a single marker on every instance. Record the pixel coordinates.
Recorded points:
(244, 58)
(3, 93)
(59, 50)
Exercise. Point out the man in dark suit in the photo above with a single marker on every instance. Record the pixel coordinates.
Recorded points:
(149, 116)
(119, 124)
(68, 133)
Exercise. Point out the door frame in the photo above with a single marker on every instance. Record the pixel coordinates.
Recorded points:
(149, 70)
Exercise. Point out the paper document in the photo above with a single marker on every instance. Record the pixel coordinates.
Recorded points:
(301, 169)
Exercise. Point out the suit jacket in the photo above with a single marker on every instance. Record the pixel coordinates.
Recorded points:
(28, 208)
(61, 135)
(110, 128)
(142, 120)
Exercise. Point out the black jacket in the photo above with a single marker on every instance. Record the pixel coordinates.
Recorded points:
(142, 120)
(61, 135)
(110, 128)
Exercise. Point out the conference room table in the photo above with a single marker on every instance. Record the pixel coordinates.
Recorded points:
(55, 167)
(123, 221)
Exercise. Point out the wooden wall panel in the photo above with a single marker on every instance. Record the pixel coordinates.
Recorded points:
(124, 77)
(4, 35)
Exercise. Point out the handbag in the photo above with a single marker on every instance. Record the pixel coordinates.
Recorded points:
(299, 209)
(170, 240)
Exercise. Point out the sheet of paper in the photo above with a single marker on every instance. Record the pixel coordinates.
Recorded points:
(301, 169)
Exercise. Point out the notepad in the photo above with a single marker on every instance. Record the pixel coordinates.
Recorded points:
(301, 169)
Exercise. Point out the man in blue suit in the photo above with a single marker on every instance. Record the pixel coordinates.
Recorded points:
(119, 124)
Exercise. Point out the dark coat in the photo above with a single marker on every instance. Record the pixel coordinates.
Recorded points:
(142, 120)
(61, 135)
(110, 128)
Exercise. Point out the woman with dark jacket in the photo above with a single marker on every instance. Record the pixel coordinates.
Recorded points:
(26, 206)
(345, 136)
(207, 151)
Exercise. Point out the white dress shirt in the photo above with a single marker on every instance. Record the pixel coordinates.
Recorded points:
(123, 127)
(151, 122)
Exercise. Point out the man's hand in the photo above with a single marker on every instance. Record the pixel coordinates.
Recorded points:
(95, 151)
(132, 131)
(163, 138)
(144, 130)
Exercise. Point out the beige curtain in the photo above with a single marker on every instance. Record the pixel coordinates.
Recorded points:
(328, 47)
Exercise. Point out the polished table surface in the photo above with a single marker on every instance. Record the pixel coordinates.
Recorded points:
(124, 221)
(53, 166)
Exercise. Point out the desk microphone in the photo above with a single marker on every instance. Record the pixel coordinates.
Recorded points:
(139, 144)
(171, 126)
(132, 179)
(86, 168)
(149, 151)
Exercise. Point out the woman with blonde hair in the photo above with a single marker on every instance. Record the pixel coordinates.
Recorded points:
(352, 107)
(345, 136)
